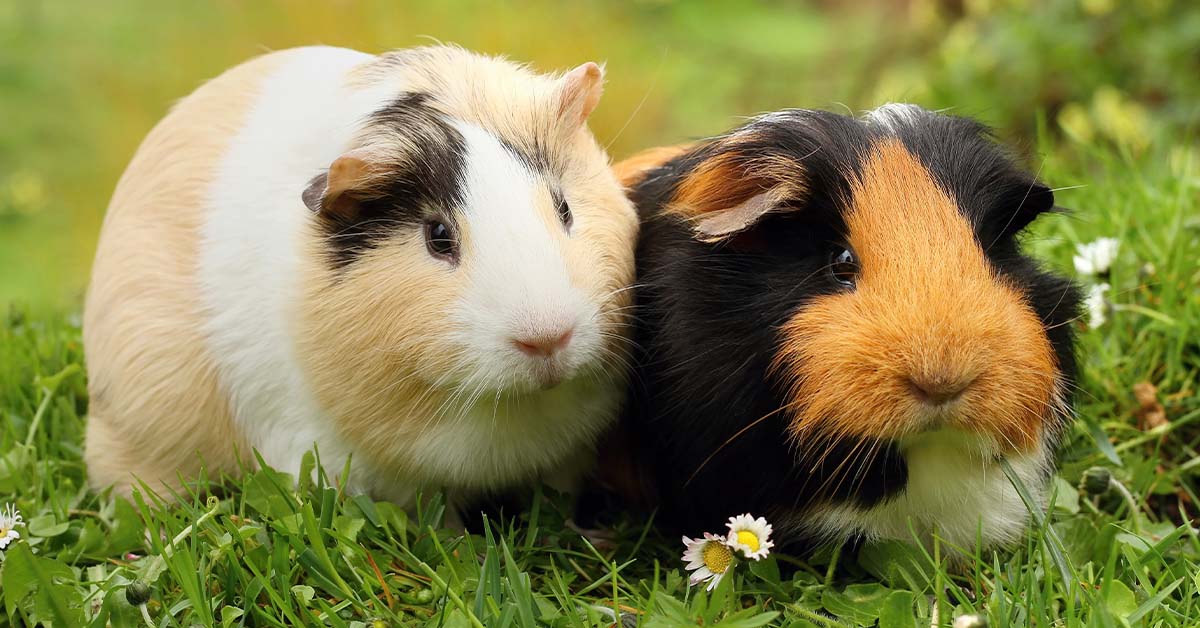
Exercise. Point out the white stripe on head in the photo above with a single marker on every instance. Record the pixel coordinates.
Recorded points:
(895, 115)
(517, 281)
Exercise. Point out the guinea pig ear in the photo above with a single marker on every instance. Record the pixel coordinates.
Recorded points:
(333, 192)
(579, 92)
(1023, 202)
(729, 193)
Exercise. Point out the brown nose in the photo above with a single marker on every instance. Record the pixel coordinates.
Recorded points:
(937, 390)
(543, 345)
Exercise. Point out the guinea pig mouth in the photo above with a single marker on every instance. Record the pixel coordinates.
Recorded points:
(965, 443)
(549, 378)
(546, 374)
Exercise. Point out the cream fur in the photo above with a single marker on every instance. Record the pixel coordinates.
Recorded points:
(151, 379)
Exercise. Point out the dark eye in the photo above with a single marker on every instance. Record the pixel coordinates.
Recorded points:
(564, 213)
(843, 266)
(440, 241)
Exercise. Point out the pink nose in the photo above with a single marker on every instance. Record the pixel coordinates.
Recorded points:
(543, 345)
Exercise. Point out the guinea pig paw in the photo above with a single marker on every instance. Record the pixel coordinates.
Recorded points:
(600, 538)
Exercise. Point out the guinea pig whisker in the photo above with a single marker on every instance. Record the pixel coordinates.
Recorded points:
(614, 354)
(850, 461)
(1066, 322)
(1066, 290)
(730, 440)
(353, 230)
(1077, 186)
(641, 103)
(626, 313)
(868, 457)
(804, 281)
(1013, 216)
(620, 357)
(622, 343)
(1076, 388)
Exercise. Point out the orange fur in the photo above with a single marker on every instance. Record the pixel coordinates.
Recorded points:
(632, 170)
(927, 306)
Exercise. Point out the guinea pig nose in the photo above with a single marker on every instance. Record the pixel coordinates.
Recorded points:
(937, 390)
(543, 345)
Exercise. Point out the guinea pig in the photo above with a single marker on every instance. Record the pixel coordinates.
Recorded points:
(418, 260)
(837, 329)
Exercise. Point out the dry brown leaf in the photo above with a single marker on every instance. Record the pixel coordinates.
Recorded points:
(1150, 413)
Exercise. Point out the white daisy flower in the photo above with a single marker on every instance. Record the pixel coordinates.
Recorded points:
(1095, 258)
(9, 519)
(970, 621)
(750, 536)
(1097, 305)
(708, 558)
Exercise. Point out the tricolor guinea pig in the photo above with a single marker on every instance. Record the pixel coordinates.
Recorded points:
(838, 330)
(417, 260)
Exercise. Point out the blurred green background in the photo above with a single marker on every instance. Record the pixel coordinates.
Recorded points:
(81, 82)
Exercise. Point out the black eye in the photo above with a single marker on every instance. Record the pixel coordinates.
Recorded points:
(440, 241)
(843, 266)
(564, 213)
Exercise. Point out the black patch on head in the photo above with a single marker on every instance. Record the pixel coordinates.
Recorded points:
(709, 314)
(533, 158)
(424, 182)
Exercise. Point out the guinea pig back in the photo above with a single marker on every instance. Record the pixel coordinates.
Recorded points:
(838, 329)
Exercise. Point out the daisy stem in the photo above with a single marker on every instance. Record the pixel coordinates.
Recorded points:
(1134, 511)
(818, 618)
(833, 561)
(37, 416)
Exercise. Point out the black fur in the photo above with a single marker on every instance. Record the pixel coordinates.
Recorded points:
(417, 187)
(708, 313)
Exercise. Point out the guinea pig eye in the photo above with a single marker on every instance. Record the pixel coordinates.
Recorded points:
(564, 213)
(440, 241)
(843, 266)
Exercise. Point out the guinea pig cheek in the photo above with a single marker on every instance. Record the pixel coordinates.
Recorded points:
(860, 364)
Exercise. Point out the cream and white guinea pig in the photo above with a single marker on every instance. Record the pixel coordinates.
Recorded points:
(838, 329)
(418, 260)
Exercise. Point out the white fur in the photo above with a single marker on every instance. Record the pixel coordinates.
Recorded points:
(303, 119)
(517, 277)
(955, 488)
(895, 115)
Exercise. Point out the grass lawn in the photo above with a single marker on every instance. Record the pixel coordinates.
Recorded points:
(1113, 130)
(266, 550)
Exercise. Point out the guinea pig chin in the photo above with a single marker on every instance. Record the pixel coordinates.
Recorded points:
(930, 337)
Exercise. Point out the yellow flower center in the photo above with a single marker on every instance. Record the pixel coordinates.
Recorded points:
(747, 538)
(717, 557)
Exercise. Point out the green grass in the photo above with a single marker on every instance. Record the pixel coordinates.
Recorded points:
(1102, 97)
(265, 550)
